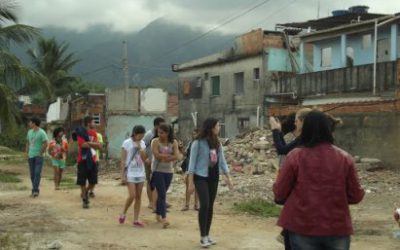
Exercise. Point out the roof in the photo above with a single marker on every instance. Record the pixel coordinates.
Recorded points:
(344, 100)
(352, 28)
(330, 22)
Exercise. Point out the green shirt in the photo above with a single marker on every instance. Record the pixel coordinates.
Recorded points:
(99, 139)
(35, 142)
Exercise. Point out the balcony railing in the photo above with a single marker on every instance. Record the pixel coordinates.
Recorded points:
(344, 80)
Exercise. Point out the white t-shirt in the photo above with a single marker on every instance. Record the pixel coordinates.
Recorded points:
(136, 166)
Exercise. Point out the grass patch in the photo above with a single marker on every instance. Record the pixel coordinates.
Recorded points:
(9, 178)
(67, 182)
(258, 207)
(8, 151)
(12, 241)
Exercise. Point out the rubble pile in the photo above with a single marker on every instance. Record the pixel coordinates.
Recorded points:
(252, 153)
(253, 161)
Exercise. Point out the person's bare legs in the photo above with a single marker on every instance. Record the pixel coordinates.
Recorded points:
(187, 195)
(55, 177)
(131, 197)
(138, 201)
(60, 172)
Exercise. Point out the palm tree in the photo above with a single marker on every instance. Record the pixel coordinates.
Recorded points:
(53, 62)
(14, 76)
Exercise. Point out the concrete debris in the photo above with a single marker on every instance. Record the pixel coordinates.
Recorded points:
(55, 245)
(251, 153)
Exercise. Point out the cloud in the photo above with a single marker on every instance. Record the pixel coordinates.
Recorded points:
(133, 15)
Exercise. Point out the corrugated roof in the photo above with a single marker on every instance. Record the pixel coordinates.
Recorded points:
(331, 22)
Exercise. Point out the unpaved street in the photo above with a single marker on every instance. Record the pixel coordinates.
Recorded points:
(57, 215)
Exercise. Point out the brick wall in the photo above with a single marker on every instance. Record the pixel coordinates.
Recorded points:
(173, 105)
(83, 106)
(341, 108)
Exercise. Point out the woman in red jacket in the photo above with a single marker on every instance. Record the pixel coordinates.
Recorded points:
(317, 182)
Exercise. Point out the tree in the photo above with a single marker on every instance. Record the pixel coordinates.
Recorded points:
(14, 76)
(52, 61)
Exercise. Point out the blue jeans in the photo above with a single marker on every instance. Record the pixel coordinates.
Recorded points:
(303, 242)
(161, 181)
(35, 169)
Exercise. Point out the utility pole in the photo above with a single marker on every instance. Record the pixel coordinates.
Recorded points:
(319, 6)
(125, 68)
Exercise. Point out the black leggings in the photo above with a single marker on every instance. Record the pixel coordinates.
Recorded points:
(207, 191)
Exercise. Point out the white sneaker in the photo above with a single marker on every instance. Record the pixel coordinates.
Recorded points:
(205, 244)
(211, 241)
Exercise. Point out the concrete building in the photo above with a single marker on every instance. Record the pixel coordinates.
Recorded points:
(341, 77)
(229, 85)
(126, 108)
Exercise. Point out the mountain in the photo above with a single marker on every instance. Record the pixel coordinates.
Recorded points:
(151, 51)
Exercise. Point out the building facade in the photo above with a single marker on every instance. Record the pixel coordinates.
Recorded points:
(229, 85)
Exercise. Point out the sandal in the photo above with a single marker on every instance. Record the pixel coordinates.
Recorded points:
(121, 219)
(166, 224)
(158, 218)
(138, 224)
(185, 208)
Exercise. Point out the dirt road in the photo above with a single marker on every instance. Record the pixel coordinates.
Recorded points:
(57, 215)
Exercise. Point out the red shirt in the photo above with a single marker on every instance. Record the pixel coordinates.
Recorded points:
(317, 185)
(93, 138)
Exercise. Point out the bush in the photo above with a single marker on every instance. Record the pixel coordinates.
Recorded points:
(14, 137)
(258, 207)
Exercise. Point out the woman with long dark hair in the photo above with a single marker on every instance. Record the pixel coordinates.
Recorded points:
(206, 162)
(317, 183)
(165, 152)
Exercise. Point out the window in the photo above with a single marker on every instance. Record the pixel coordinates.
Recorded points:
(239, 83)
(366, 41)
(243, 123)
(96, 118)
(326, 57)
(198, 82)
(256, 73)
(215, 86)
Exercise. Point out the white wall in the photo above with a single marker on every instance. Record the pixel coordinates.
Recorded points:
(53, 114)
(153, 100)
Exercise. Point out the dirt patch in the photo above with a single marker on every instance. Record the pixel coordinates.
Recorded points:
(58, 216)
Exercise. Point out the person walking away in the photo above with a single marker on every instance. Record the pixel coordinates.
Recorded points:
(317, 183)
(165, 151)
(184, 166)
(206, 162)
(148, 137)
(58, 150)
(35, 147)
(133, 155)
(87, 169)
(98, 157)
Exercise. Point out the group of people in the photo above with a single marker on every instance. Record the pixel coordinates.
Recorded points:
(89, 145)
(316, 182)
(150, 155)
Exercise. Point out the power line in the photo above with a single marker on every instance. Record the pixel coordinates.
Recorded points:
(98, 69)
(213, 29)
(253, 26)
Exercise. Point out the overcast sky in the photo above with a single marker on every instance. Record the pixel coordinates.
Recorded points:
(133, 15)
